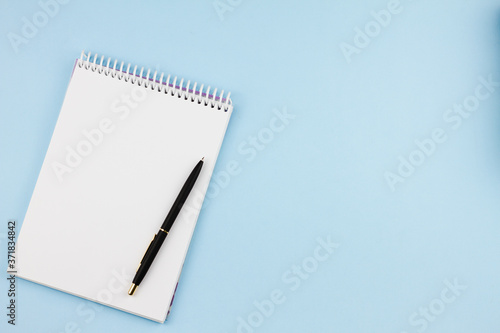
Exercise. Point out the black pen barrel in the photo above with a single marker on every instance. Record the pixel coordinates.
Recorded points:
(149, 256)
(155, 244)
(182, 197)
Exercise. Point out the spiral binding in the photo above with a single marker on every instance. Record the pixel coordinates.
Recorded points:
(162, 84)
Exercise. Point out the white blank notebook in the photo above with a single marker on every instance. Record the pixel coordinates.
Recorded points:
(124, 144)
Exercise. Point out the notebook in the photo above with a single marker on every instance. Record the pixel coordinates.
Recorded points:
(123, 145)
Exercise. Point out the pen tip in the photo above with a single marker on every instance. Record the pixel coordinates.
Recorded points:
(203, 158)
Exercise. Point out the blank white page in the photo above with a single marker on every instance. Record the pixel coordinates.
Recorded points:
(87, 229)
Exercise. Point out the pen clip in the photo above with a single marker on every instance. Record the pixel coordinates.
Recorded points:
(146, 252)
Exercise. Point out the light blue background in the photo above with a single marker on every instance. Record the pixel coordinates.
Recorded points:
(321, 176)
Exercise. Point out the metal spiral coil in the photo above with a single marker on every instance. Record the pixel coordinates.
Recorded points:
(161, 84)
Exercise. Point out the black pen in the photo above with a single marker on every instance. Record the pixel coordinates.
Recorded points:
(160, 236)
